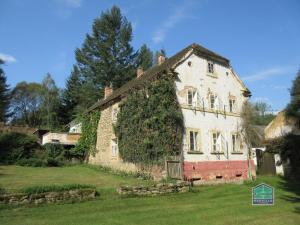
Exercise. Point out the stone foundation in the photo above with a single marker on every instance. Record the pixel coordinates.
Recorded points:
(218, 171)
(48, 197)
(153, 190)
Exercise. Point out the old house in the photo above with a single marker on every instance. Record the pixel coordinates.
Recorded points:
(211, 96)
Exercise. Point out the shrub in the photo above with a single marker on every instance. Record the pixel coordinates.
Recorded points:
(16, 146)
(54, 150)
(54, 188)
(2, 190)
(53, 162)
(34, 162)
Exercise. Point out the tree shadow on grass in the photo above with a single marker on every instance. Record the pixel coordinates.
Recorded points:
(291, 184)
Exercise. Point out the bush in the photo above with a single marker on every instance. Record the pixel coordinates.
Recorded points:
(2, 190)
(54, 188)
(53, 162)
(16, 146)
(34, 162)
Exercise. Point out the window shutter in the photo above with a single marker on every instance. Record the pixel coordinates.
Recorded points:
(223, 143)
(218, 142)
(216, 105)
(195, 94)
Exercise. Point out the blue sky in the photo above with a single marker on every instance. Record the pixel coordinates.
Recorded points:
(260, 37)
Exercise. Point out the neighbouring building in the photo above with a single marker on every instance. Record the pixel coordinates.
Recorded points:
(64, 138)
(281, 125)
(211, 97)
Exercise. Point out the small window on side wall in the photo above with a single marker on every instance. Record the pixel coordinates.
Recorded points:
(115, 114)
(114, 147)
(210, 67)
(232, 105)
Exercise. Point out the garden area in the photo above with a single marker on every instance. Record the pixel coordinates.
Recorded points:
(220, 204)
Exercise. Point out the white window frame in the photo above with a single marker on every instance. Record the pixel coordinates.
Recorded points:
(114, 148)
(215, 104)
(114, 115)
(210, 67)
(235, 142)
(217, 142)
(192, 98)
(232, 104)
(194, 140)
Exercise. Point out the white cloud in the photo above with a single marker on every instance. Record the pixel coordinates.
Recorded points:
(7, 58)
(71, 3)
(264, 74)
(180, 13)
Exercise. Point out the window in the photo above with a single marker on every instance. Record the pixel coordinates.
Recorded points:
(114, 114)
(232, 105)
(210, 67)
(213, 101)
(193, 139)
(192, 97)
(114, 147)
(217, 141)
(235, 143)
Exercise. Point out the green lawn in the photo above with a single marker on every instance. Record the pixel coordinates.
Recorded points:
(222, 204)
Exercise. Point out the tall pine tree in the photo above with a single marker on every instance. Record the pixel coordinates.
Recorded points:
(106, 56)
(4, 95)
(293, 108)
(72, 97)
(145, 57)
(50, 102)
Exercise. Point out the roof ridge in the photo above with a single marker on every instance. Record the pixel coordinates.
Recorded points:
(154, 70)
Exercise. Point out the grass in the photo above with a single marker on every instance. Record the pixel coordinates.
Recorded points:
(223, 204)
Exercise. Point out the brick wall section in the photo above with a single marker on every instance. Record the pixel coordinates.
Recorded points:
(105, 134)
(217, 170)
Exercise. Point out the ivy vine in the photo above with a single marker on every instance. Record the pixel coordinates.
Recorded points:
(87, 142)
(149, 126)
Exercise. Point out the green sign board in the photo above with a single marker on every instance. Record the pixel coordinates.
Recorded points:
(263, 194)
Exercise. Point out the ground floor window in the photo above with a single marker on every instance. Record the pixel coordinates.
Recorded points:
(235, 142)
(194, 140)
(217, 141)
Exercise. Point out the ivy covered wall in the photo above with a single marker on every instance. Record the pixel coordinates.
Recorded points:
(150, 123)
(87, 142)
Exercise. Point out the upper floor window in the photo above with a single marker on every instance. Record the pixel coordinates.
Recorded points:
(210, 67)
(192, 97)
(213, 101)
(232, 104)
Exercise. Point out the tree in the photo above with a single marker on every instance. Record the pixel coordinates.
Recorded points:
(4, 95)
(71, 96)
(248, 132)
(25, 102)
(49, 102)
(106, 56)
(145, 57)
(261, 112)
(293, 108)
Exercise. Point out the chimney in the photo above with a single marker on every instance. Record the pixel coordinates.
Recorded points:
(139, 71)
(107, 91)
(160, 59)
